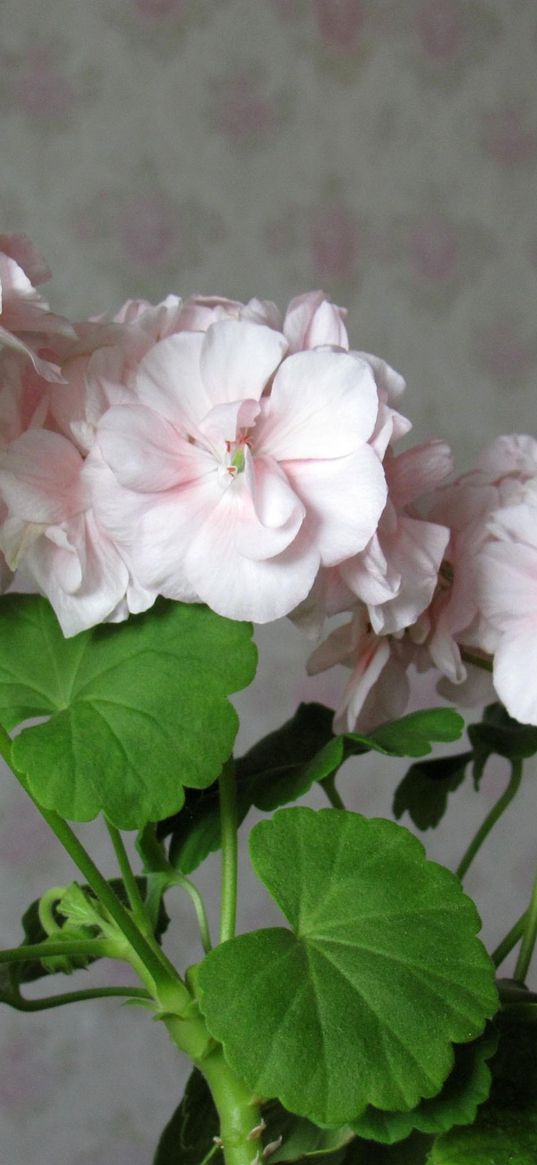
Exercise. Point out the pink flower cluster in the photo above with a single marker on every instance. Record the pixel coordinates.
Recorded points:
(213, 451)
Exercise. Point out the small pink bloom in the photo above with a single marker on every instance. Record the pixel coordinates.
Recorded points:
(26, 323)
(241, 495)
(311, 320)
(507, 576)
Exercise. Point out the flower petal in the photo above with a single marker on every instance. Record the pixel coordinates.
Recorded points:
(238, 358)
(344, 499)
(322, 404)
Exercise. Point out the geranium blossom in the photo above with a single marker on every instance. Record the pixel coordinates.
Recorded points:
(249, 472)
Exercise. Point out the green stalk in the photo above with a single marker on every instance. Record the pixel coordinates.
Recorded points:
(329, 788)
(505, 947)
(49, 1001)
(228, 825)
(530, 936)
(94, 948)
(177, 879)
(491, 818)
(131, 886)
(146, 956)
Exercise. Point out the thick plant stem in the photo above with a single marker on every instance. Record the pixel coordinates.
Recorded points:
(530, 936)
(514, 935)
(228, 825)
(238, 1110)
(491, 818)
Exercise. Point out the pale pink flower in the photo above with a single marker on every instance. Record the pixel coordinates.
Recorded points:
(51, 533)
(397, 573)
(507, 577)
(467, 506)
(246, 473)
(312, 320)
(26, 323)
(378, 688)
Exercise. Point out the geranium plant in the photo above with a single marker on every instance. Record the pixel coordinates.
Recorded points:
(169, 476)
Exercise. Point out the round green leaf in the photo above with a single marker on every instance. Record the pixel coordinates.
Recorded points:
(135, 710)
(466, 1087)
(361, 1002)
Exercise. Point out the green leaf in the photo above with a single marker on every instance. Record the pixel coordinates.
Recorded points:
(466, 1087)
(359, 1004)
(423, 792)
(188, 1137)
(273, 772)
(505, 1131)
(499, 734)
(136, 710)
(413, 735)
(285, 764)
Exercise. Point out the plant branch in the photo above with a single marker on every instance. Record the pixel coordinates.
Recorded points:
(491, 818)
(94, 948)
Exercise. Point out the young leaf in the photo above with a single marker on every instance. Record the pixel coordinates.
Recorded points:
(136, 710)
(505, 1130)
(423, 792)
(34, 932)
(466, 1087)
(359, 1004)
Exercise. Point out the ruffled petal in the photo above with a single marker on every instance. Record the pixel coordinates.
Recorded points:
(238, 359)
(322, 404)
(344, 499)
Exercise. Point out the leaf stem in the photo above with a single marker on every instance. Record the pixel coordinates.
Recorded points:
(529, 938)
(94, 948)
(131, 885)
(149, 955)
(177, 879)
(329, 787)
(228, 824)
(491, 818)
(512, 937)
(49, 1001)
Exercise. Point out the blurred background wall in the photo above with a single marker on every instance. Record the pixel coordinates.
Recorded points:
(384, 151)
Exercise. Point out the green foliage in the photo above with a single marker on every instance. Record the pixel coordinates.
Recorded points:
(135, 710)
(423, 793)
(77, 917)
(285, 764)
(361, 1002)
(505, 1131)
(499, 734)
(466, 1087)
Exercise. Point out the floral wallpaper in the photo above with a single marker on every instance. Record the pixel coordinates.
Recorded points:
(384, 150)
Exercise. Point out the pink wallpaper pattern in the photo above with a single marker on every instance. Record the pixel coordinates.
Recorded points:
(385, 150)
